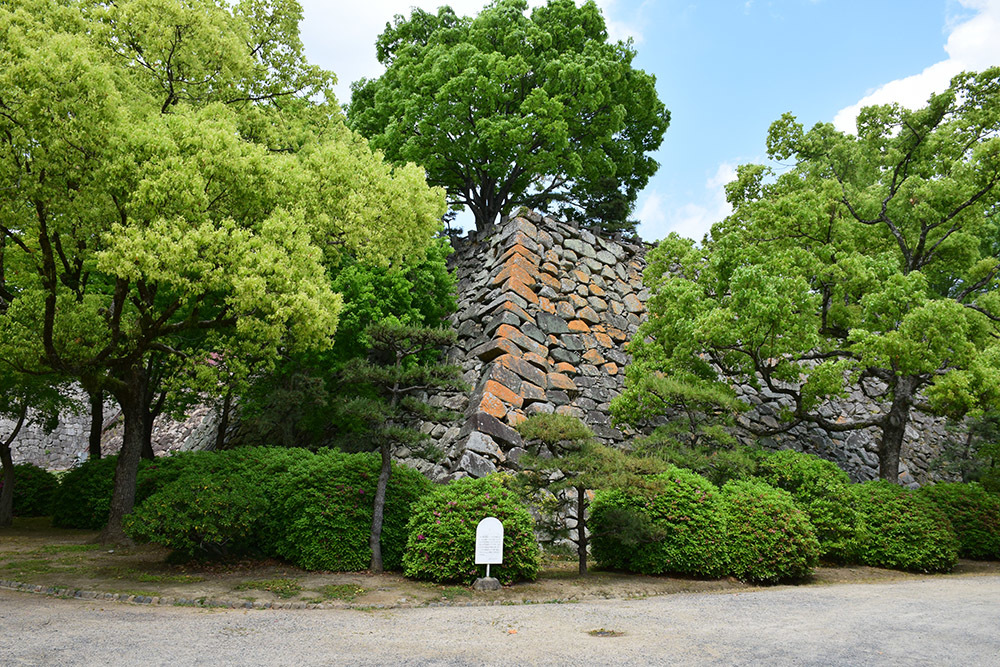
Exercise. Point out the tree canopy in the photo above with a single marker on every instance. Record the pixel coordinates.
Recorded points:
(173, 176)
(511, 109)
(871, 262)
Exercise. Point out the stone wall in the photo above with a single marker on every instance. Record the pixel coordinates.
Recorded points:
(545, 311)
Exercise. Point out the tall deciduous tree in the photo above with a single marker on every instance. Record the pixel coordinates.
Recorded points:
(506, 109)
(170, 186)
(870, 263)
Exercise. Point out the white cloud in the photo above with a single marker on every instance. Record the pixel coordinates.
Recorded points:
(340, 36)
(692, 220)
(973, 44)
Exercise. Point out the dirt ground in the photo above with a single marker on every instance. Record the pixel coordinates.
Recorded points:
(33, 552)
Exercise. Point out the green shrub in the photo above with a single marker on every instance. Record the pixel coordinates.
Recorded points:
(84, 496)
(202, 514)
(442, 533)
(815, 484)
(551, 429)
(768, 537)
(974, 514)
(715, 458)
(806, 476)
(34, 489)
(901, 529)
(679, 528)
(326, 507)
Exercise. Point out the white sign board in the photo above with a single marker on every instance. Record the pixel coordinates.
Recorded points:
(489, 541)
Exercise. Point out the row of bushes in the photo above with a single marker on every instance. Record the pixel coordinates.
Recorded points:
(314, 510)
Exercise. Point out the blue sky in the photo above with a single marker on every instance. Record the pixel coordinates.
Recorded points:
(726, 69)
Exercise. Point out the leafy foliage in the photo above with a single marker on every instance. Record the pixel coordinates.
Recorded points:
(176, 177)
(326, 512)
(868, 264)
(34, 489)
(441, 545)
(974, 514)
(84, 495)
(678, 528)
(558, 484)
(508, 108)
(717, 464)
(768, 538)
(901, 529)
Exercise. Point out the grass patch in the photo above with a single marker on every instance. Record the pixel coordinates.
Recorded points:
(30, 566)
(67, 548)
(345, 592)
(452, 592)
(283, 588)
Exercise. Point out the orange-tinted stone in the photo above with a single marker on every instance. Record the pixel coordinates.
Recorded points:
(633, 305)
(617, 307)
(493, 406)
(617, 334)
(508, 332)
(521, 251)
(578, 326)
(589, 342)
(550, 268)
(560, 381)
(603, 339)
(537, 360)
(580, 276)
(550, 281)
(565, 311)
(577, 301)
(521, 289)
(517, 310)
(611, 368)
(588, 315)
(546, 305)
(516, 417)
(594, 357)
(523, 368)
(596, 291)
(503, 393)
(551, 257)
(565, 367)
(513, 272)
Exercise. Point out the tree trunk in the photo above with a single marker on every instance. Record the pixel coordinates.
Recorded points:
(7, 460)
(378, 510)
(581, 528)
(220, 433)
(123, 494)
(147, 435)
(96, 424)
(894, 428)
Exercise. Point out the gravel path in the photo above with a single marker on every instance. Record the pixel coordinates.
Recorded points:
(946, 621)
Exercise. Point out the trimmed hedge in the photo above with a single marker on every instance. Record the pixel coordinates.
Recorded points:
(974, 514)
(679, 529)
(816, 485)
(327, 512)
(84, 496)
(900, 529)
(314, 510)
(442, 533)
(768, 538)
(34, 489)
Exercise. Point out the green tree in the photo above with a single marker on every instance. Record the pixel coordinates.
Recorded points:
(24, 399)
(170, 187)
(506, 109)
(869, 263)
(290, 405)
(403, 363)
(574, 462)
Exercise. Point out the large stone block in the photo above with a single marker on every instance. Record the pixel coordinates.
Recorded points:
(476, 465)
(552, 324)
(492, 427)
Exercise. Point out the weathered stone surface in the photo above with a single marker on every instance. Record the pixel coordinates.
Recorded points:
(588, 315)
(522, 368)
(505, 331)
(493, 428)
(632, 304)
(475, 465)
(552, 324)
(561, 382)
(494, 348)
(480, 443)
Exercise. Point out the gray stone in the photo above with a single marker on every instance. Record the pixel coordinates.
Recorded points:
(484, 423)
(475, 465)
(550, 323)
